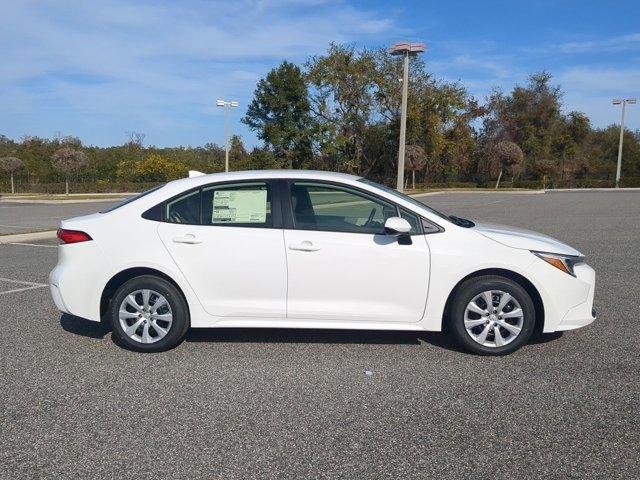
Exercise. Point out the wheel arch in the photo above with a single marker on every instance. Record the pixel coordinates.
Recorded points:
(124, 276)
(501, 272)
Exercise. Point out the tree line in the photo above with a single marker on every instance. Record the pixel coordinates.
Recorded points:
(340, 111)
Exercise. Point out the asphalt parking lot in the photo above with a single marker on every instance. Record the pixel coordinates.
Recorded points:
(333, 404)
(29, 217)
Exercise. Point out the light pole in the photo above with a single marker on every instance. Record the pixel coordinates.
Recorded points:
(226, 105)
(624, 102)
(405, 49)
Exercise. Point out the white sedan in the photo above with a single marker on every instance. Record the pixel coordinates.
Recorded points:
(304, 249)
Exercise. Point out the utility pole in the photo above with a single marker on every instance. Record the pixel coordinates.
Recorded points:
(405, 49)
(623, 102)
(403, 120)
(226, 105)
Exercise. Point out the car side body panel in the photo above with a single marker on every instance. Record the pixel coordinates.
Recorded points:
(356, 277)
(123, 240)
(463, 253)
(234, 271)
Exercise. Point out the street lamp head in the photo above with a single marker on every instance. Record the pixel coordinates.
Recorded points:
(407, 47)
(631, 101)
(224, 103)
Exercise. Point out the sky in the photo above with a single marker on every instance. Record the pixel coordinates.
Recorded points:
(100, 69)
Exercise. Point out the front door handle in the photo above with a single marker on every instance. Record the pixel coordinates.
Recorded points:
(305, 246)
(189, 239)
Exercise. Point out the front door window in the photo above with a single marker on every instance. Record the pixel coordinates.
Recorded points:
(330, 208)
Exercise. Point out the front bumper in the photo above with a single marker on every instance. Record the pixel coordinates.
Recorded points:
(582, 314)
(575, 318)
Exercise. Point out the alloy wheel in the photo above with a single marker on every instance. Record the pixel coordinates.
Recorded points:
(493, 318)
(145, 316)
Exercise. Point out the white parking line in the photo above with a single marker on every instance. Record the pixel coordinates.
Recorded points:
(31, 244)
(30, 285)
(15, 290)
(23, 227)
(23, 282)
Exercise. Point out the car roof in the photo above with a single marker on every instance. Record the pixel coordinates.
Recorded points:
(178, 186)
(262, 174)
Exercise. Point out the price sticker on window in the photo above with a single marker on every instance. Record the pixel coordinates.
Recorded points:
(239, 206)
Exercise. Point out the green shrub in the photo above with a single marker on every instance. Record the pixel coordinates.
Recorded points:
(630, 182)
(154, 168)
(436, 185)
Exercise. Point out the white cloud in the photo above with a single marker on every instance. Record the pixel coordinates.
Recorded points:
(146, 60)
(591, 89)
(614, 44)
(598, 80)
(587, 87)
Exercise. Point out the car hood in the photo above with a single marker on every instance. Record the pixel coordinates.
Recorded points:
(525, 239)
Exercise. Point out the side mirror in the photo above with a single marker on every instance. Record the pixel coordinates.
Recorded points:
(396, 226)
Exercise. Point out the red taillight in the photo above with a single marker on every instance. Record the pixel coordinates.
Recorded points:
(73, 236)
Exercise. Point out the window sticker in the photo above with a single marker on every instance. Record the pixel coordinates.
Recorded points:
(239, 206)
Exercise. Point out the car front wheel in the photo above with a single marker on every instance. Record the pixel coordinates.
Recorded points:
(149, 314)
(492, 315)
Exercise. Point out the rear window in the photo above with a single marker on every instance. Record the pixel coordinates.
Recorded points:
(132, 199)
(240, 205)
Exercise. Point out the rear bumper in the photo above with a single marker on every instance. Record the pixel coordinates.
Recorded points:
(57, 298)
(73, 281)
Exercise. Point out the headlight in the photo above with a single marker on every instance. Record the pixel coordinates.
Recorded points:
(561, 262)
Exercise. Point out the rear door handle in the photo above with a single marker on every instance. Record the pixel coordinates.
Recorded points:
(305, 246)
(189, 239)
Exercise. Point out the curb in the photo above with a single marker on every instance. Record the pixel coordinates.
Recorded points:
(621, 189)
(27, 237)
(484, 192)
(61, 202)
(530, 192)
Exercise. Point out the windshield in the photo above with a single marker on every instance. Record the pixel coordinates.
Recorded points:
(132, 199)
(461, 222)
(404, 197)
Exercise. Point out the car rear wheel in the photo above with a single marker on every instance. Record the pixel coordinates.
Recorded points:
(492, 315)
(149, 314)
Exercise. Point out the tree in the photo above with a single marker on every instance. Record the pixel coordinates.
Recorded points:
(601, 152)
(68, 160)
(341, 111)
(531, 116)
(153, 169)
(414, 160)
(239, 158)
(502, 156)
(341, 100)
(439, 117)
(11, 165)
(136, 139)
(281, 114)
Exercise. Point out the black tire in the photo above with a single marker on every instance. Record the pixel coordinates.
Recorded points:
(474, 287)
(179, 310)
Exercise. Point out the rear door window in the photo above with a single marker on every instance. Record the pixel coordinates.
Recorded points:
(184, 209)
(242, 204)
